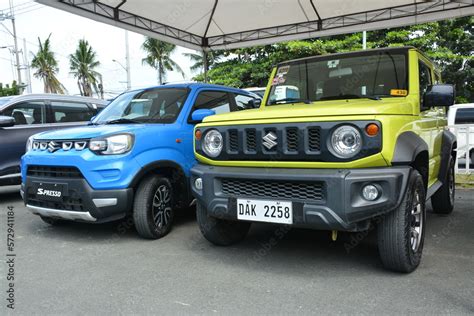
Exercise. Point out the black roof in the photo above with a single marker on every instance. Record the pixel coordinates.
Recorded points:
(401, 49)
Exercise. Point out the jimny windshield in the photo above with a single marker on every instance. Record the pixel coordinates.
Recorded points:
(352, 76)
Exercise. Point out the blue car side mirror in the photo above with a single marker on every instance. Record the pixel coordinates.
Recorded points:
(199, 115)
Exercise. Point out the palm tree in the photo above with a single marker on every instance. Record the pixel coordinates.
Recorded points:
(82, 65)
(46, 67)
(198, 60)
(158, 57)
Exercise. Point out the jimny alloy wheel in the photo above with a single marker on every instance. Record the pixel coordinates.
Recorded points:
(400, 234)
(416, 223)
(161, 209)
(452, 187)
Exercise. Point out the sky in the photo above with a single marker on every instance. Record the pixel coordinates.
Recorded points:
(34, 20)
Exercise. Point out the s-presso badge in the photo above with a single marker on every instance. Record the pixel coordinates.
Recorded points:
(50, 193)
(269, 140)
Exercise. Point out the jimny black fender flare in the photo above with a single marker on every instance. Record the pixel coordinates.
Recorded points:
(409, 145)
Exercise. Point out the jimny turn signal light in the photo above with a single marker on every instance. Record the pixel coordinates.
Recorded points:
(198, 134)
(372, 129)
(398, 93)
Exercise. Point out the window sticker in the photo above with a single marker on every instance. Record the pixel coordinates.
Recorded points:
(333, 63)
(398, 92)
(280, 75)
(283, 70)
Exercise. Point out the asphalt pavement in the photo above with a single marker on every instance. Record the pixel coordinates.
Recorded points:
(107, 269)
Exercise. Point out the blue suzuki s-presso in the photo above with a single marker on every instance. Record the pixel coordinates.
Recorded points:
(133, 158)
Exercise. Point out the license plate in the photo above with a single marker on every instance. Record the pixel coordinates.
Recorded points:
(50, 191)
(265, 211)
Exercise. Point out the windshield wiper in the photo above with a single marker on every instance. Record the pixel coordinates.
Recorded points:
(292, 100)
(122, 121)
(372, 97)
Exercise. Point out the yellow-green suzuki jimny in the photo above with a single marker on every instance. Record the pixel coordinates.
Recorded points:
(342, 142)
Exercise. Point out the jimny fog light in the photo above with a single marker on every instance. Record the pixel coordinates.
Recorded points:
(370, 192)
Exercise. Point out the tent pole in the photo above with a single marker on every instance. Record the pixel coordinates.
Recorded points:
(205, 64)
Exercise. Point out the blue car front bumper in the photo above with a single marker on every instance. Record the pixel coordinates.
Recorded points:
(92, 188)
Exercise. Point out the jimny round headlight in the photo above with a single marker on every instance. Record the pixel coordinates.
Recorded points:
(346, 142)
(213, 143)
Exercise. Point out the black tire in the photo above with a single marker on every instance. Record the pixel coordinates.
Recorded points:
(153, 211)
(218, 231)
(53, 221)
(398, 248)
(443, 200)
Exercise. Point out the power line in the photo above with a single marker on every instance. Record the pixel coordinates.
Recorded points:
(9, 60)
(31, 9)
(19, 5)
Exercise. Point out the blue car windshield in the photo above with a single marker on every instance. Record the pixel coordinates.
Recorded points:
(158, 105)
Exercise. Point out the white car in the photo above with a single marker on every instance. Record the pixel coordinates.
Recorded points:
(461, 122)
(260, 91)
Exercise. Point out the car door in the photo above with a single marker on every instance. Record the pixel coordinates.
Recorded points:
(429, 120)
(217, 100)
(30, 118)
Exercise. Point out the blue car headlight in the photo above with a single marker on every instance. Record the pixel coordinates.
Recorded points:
(112, 145)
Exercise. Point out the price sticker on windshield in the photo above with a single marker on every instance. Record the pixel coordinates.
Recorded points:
(398, 92)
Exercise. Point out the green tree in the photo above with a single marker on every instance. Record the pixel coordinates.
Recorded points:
(46, 67)
(449, 43)
(83, 64)
(7, 90)
(159, 57)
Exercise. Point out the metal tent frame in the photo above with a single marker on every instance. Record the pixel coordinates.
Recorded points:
(417, 11)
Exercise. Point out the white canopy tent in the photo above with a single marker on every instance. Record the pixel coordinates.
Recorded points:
(225, 24)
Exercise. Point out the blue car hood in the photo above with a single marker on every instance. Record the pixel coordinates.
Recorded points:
(90, 131)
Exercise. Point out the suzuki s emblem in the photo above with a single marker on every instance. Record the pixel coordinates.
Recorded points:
(269, 140)
(53, 146)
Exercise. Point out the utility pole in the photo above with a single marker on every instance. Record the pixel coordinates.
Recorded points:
(26, 67)
(17, 56)
(127, 61)
(11, 17)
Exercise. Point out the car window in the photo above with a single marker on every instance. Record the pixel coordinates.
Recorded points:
(27, 113)
(65, 111)
(213, 100)
(464, 116)
(345, 77)
(243, 102)
(159, 105)
(425, 79)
